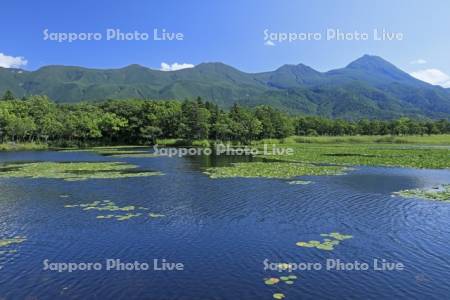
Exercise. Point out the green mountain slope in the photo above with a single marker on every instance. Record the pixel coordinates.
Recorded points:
(368, 87)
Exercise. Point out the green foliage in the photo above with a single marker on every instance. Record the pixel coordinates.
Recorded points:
(8, 95)
(39, 120)
(441, 139)
(23, 146)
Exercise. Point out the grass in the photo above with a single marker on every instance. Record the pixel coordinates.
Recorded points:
(441, 139)
(22, 146)
(72, 171)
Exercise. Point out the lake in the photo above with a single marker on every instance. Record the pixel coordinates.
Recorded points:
(222, 231)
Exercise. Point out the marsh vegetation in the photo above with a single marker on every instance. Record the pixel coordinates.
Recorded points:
(73, 171)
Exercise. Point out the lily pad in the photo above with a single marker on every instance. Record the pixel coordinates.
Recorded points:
(339, 236)
(302, 182)
(11, 241)
(105, 217)
(283, 266)
(155, 215)
(271, 281)
(127, 216)
(279, 296)
(329, 242)
(110, 206)
(305, 244)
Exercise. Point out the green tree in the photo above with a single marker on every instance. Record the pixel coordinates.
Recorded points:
(8, 95)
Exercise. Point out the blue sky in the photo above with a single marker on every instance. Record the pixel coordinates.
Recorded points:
(228, 31)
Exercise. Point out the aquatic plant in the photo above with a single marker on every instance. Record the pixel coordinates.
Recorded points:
(273, 170)
(72, 171)
(366, 154)
(10, 241)
(437, 193)
(154, 215)
(105, 216)
(302, 182)
(116, 151)
(127, 216)
(288, 280)
(137, 155)
(271, 281)
(108, 205)
(8, 252)
(274, 280)
(283, 266)
(337, 236)
(326, 244)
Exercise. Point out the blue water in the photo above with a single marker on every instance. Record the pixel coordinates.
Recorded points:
(222, 230)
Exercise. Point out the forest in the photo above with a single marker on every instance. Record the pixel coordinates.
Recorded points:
(37, 119)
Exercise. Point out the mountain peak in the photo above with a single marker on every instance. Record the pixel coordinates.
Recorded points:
(215, 67)
(134, 66)
(298, 69)
(370, 62)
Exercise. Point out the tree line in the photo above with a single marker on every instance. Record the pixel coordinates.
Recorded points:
(38, 119)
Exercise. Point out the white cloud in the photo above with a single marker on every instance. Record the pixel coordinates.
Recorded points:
(7, 61)
(174, 66)
(419, 61)
(433, 76)
(269, 43)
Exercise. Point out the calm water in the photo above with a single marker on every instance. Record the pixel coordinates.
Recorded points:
(222, 230)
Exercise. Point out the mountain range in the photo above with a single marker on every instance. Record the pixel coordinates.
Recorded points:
(369, 87)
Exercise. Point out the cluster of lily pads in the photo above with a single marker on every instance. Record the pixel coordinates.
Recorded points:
(273, 170)
(116, 152)
(123, 212)
(328, 243)
(301, 182)
(289, 280)
(125, 153)
(353, 154)
(73, 171)
(437, 193)
(330, 240)
(4, 243)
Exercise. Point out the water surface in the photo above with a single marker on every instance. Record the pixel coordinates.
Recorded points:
(222, 230)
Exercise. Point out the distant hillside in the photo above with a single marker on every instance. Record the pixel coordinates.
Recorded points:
(368, 87)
